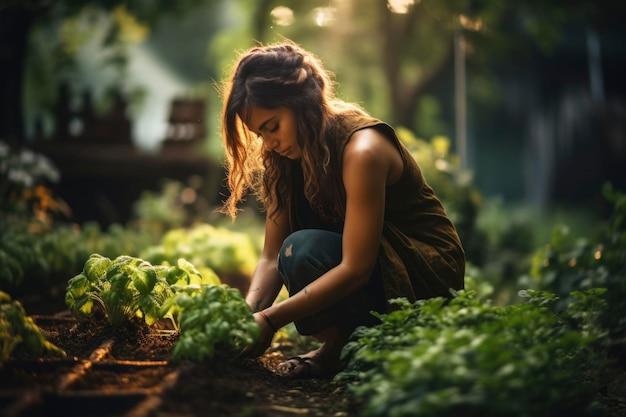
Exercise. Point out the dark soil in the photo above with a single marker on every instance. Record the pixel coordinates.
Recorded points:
(120, 380)
(251, 388)
(222, 387)
(49, 302)
(77, 338)
(18, 377)
(134, 342)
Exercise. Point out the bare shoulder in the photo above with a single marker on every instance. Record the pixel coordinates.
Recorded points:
(368, 140)
(371, 148)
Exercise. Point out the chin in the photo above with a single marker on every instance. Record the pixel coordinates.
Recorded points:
(295, 155)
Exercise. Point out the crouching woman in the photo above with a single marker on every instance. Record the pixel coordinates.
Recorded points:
(350, 219)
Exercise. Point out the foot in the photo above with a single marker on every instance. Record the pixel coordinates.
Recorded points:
(319, 363)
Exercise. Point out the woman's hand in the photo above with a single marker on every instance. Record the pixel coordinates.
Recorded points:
(265, 337)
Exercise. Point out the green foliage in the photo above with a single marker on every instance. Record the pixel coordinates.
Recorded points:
(476, 284)
(183, 204)
(115, 241)
(77, 44)
(32, 259)
(215, 320)
(64, 250)
(509, 235)
(20, 257)
(19, 335)
(128, 287)
(569, 264)
(468, 357)
(161, 211)
(429, 117)
(228, 253)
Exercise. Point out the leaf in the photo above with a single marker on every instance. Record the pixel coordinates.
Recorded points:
(144, 279)
(96, 266)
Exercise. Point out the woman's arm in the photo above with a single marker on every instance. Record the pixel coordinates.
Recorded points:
(266, 281)
(370, 160)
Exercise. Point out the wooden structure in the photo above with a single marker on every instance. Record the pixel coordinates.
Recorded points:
(103, 173)
(186, 122)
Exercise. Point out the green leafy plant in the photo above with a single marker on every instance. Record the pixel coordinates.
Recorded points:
(19, 335)
(10, 270)
(510, 233)
(468, 357)
(569, 264)
(30, 259)
(214, 320)
(63, 249)
(228, 253)
(20, 258)
(128, 287)
(115, 241)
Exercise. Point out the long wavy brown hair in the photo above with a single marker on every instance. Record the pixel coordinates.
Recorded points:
(285, 75)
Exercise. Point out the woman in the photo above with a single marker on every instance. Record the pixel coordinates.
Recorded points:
(350, 221)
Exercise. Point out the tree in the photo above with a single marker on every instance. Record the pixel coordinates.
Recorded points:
(411, 42)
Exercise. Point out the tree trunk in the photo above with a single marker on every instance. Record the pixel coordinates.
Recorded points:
(261, 20)
(408, 110)
(15, 24)
(403, 96)
(391, 62)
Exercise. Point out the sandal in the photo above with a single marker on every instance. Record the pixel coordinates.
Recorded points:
(304, 367)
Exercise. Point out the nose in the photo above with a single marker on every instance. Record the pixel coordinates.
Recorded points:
(272, 143)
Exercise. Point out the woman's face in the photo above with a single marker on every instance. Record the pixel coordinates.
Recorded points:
(277, 128)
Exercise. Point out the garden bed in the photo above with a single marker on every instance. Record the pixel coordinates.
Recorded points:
(78, 338)
(127, 373)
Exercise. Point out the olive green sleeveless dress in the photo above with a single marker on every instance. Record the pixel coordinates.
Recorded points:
(420, 254)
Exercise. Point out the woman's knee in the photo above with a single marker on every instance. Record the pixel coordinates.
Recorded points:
(307, 254)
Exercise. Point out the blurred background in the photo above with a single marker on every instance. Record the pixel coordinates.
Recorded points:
(516, 110)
